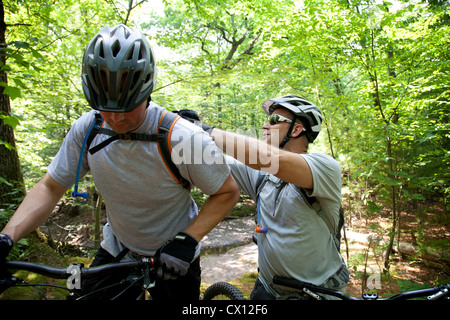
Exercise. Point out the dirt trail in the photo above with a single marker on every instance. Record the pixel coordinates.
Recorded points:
(230, 265)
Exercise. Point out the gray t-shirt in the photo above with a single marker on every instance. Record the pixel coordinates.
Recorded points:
(145, 206)
(298, 244)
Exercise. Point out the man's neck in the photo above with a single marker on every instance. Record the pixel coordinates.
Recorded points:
(296, 146)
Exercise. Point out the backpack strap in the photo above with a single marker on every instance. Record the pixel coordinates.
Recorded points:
(98, 124)
(314, 204)
(98, 129)
(260, 182)
(166, 124)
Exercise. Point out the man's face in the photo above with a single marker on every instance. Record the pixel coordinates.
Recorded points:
(123, 122)
(275, 133)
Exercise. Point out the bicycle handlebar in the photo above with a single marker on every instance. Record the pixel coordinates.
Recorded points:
(64, 273)
(57, 273)
(309, 288)
(147, 265)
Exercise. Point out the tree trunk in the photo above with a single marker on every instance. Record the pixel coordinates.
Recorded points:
(11, 179)
(394, 207)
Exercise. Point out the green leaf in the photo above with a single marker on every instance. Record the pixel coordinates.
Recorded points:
(7, 145)
(11, 120)
(3, 180)
(21, 44)
(12, 92)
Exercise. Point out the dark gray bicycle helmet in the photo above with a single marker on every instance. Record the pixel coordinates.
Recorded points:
(119, 70)
(301, 109)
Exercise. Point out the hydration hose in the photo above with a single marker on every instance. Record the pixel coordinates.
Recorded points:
(75, 192)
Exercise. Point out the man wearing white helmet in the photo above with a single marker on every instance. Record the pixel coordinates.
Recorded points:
(296, 238)
(150, 211)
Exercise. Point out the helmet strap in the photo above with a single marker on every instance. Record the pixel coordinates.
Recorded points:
(288, 135)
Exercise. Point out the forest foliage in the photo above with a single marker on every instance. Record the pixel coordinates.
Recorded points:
(379, 70)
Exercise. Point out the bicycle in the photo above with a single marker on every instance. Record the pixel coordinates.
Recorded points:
(309, 291)
(144, 276)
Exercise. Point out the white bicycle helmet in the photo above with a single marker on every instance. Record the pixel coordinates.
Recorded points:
(119, 70)
(301, 109)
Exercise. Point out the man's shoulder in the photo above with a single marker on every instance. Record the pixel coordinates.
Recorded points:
(87, 117)
(321, 158)
(323, 165)
(185, 131)
(81, 125)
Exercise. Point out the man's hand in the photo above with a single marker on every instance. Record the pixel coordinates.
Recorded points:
(192, 116)
(176, 256)
(6, 244)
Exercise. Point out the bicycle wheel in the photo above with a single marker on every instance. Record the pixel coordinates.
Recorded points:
(223, 291)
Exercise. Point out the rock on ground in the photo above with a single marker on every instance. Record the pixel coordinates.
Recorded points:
(240, 259)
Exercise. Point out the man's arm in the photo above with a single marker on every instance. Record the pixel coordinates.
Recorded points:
(288, 166)
(35, 208)
(176, 255)
(215, 208)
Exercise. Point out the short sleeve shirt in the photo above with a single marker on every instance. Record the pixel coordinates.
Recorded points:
(145, 206)
(298, 244)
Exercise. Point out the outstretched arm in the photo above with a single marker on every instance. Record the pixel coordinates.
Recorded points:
(288, 166)
(35, 208)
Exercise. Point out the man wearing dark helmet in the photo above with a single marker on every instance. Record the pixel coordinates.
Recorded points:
(149, 211)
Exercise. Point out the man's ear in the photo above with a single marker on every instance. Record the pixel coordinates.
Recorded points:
(298, 129)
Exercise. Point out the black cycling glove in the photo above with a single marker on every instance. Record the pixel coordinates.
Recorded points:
(6, 244)
(176, 256)
(192, 116)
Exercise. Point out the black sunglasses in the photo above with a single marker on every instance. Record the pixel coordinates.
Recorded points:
(275, 118)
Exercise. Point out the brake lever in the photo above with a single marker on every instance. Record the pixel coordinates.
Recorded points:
(148, 281)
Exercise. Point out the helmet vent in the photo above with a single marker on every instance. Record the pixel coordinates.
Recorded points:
(136, 78)
(104, 79)
(129, 56)
(148, 78)
(101, 54)
(126, 33)
(115, 48)
(314, 120)
(141, 52)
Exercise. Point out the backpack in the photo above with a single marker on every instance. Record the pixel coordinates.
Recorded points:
(312, 203)
(166, 124)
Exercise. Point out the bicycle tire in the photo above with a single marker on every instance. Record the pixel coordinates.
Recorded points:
(223, 289)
